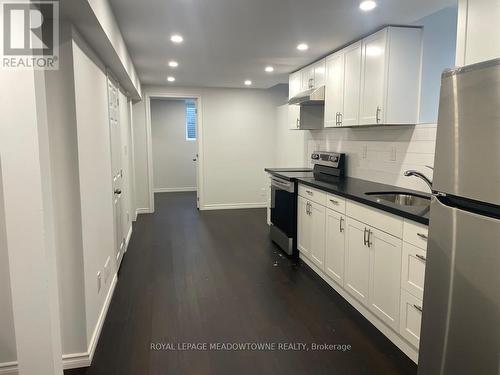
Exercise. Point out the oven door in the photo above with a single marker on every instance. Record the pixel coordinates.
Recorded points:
(282, 205)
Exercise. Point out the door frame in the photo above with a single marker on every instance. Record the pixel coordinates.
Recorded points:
(199, 140)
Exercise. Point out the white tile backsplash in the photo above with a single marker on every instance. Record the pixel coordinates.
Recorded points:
(380, 154)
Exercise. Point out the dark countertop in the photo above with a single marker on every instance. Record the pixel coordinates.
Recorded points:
(355, 189)
(290, 174)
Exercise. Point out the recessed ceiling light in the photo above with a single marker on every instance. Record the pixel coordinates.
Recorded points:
(269, 69)
(302, 47)
(176, 38)
(170, 79)
(248, 82)
(173, 64)
(367, 5)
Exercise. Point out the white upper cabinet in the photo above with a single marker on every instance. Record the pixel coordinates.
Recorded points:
(390, 76)
(319, 73)
(352, 85)
(307, 78)
(374, 67)
(478, 37)
(334, 93)
(313, 75)
(294, 84)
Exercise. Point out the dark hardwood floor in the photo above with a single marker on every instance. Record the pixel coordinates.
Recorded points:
(214, 277)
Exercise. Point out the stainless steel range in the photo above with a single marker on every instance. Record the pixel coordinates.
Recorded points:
(328, 166)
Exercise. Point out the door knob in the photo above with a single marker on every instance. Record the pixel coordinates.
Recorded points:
(118, 191)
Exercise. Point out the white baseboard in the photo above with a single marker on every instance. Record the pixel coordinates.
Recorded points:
(225, 206)
(405, 347)
(75, 360)
(174, 190)
(127, 239)
(143, 211)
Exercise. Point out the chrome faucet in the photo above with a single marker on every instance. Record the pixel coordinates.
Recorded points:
(420, 175)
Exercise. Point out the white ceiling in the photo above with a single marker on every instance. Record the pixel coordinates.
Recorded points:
(228, 41)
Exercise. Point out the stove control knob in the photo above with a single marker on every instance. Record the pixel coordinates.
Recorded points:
(315, 156)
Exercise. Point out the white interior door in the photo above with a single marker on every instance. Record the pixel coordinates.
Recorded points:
(116, 167)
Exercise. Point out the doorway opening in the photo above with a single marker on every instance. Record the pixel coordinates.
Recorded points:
(175, 145)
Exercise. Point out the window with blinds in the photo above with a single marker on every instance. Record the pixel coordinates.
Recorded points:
(190, 120)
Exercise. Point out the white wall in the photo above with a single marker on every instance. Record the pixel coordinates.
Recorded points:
(238, 143)
(7, 335)
(439, 41)
(173, 155)
(94, 158)
(63, 144)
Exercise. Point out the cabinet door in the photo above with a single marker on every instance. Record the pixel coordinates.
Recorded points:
(307, 78)
(357, 261)
(303, 227)
(334, 91)
(319, 73)
(317, 222)
(373, 78)
(385, 276)
(294, 84)
(411, 318)
(413, 270)
(294, 117)
(335, 246)
(352, 84)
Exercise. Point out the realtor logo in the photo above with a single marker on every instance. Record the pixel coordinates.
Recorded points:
(30, 34)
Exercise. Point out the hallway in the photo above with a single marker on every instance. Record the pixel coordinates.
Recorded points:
(210, 277)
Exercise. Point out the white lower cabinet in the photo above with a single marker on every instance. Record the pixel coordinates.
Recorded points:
(357, 261)
(311, 230)
(304, 229)
(317, 217)
(367, 259)
(413, 270)
(385, 276)
(411, 318)
(335, 246)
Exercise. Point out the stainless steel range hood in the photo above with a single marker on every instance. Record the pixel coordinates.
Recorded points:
(314, 96)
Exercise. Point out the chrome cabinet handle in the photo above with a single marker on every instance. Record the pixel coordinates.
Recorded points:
(369, 241)
(364, 237)
(422, 236)
(298, 123)
(309, 192)
(377, 115)
(337, 119)
(334, 201)
(307, 208)
(419, 308)
(340, 119)
(340, 224)
(421, 257)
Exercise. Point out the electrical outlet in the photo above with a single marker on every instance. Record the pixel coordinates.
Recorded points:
(98, 281)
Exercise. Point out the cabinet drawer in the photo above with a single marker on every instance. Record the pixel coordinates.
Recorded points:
(415, 233)
(312, 194)
(413, 270)
(336, 203)
(411, 318)
(384, 221)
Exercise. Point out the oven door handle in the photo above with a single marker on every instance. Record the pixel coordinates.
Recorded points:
(283, 185)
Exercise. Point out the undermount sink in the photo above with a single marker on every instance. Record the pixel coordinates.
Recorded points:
(403, 199)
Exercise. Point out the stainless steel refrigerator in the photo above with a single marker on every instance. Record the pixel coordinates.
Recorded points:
(461, 308)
